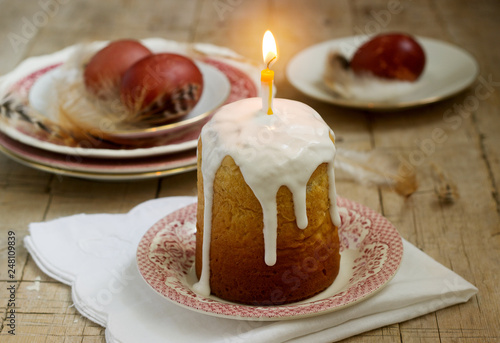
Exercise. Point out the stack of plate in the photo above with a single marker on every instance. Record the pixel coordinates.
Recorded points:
(159, 151)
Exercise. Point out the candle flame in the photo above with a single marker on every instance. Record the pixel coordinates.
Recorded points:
(269, 49)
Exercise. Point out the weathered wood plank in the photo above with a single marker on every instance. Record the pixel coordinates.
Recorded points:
(63, 328)
(31, 272)
(179, 185)
(71, 196)
(86, 21)
(20, 23)
(26, 206)
(477, 218)
(44, 313)
(15, 176)
(427, 135)
(388, 334)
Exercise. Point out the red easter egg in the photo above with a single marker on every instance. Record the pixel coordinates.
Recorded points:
(103, 73)
(390, 56)
(161, 87)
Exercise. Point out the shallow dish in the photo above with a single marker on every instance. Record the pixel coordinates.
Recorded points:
(371, 252)
(449, 70)
(216, 89)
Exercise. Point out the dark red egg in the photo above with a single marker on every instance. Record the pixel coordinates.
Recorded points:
(103, 73)
(390, 56)
(161, 87)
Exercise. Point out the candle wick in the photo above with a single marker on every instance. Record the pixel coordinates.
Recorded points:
(268, 63)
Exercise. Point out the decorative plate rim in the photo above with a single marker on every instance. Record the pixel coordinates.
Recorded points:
(97, 165)
(93, 175)
(381, 229)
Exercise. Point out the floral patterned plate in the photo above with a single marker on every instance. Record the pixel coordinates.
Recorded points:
(371, 252)
(17, 122)
(97, 168)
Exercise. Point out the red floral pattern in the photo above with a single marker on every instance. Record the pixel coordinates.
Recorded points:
(171, 249)
(241, 85)
(372, 238)
(355, 228)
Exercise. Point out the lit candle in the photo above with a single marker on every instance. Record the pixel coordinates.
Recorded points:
(270, 53)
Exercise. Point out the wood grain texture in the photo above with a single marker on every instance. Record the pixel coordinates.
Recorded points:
(464, 235)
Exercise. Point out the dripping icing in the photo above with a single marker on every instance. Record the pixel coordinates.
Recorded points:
(282, 149)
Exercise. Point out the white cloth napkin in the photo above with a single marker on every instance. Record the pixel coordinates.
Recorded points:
(95, 255)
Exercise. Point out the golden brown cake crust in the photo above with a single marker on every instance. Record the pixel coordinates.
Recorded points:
(307, 260)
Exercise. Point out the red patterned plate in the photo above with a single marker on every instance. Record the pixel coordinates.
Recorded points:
(33, 157)
(371, 252)
(16, 122)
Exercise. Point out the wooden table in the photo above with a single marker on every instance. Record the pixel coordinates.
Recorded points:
(464, 235)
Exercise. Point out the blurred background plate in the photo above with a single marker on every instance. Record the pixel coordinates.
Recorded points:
(449, 70)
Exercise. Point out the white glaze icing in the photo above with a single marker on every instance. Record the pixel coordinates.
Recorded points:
(284, 148)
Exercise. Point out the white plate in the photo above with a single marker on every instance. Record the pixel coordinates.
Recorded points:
(371, 251)
(216, 89)
(449, 70)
